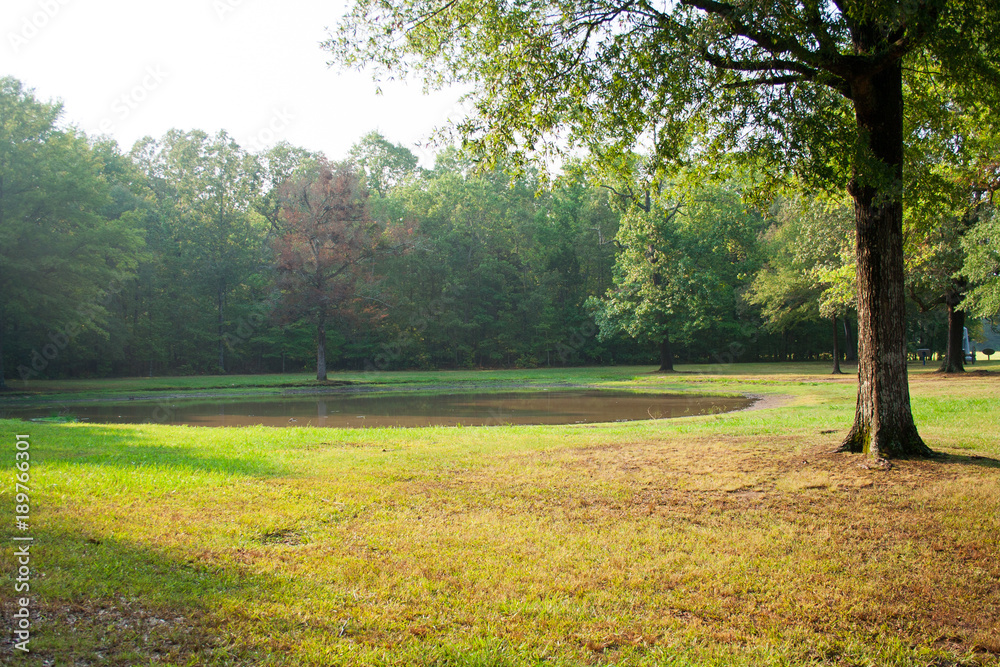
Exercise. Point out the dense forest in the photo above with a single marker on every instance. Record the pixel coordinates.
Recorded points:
(190, 254)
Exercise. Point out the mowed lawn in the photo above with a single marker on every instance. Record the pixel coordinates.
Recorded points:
(737, 539)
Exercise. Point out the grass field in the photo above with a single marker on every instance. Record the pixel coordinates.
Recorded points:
(737, 539)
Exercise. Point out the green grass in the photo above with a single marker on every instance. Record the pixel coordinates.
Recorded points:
(736, 539)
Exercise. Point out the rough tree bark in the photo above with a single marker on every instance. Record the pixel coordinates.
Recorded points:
(883, 422)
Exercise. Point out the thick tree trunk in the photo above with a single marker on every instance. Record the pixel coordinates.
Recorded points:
(836, 349)
(954, 356)
(666, 354)
(321, 349)
(883, 422)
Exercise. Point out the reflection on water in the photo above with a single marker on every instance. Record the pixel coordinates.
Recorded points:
(368, 410)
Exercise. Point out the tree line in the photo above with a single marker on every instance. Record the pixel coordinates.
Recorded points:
(190, 254)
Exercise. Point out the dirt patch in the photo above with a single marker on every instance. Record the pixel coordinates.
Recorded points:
(939, 376)
(766, 401)
(113, 631)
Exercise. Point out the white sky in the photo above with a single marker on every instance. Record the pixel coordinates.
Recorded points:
(132, 68)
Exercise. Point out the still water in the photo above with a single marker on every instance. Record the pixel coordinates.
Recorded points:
(369, 410)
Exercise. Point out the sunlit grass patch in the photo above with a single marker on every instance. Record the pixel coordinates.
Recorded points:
(736, 539)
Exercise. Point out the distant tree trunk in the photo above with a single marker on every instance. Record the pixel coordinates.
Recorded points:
(954, 356)
(321, 348)
(883, 422)
(3, 383)
(222, 322)
(666, 354)
(850, 349)
(836, 349)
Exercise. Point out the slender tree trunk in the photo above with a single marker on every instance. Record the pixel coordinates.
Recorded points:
(836, 349)
(321, 348)
(883, 422)
(3, 383)
(222, 322)
(666, 354)
(850, 349)
(954, 356)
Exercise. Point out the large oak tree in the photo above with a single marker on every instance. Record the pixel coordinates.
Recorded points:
(815, 87)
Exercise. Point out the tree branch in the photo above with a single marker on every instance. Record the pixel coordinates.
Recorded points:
(624, 196)
(766, 81)
(772, 64)
(818, 27)
(420, 21)
(770, 42)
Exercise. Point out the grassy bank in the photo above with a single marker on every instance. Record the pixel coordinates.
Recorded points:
(734, 539)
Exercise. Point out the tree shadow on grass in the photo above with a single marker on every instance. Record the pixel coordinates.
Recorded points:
(103, 600)
(125, 447)
(967, 460)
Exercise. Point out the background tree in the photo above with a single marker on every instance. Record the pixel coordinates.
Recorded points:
(130, 343)
(982, 265)
(982, 242)
(208, 190)
(817, 88)
(478, 236)
(951, 176)
(325, 248)
(934, 277)
(499, 275)
(384, 164)
(499, 271)
(60, 260)
(679, 268)
(278, 163)
(808, 248)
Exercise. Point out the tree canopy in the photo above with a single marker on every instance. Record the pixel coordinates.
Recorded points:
(679, 268)
(325, 249)
(59, 256)
(687, 78)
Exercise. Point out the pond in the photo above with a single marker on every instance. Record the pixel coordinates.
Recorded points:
(575, 406)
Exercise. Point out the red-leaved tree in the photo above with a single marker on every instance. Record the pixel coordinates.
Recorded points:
(324, 253)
